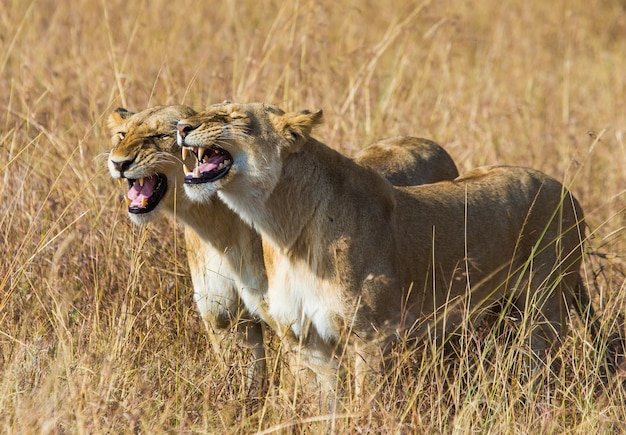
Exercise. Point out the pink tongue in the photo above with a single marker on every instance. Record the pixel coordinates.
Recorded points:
(204, 167)
(212, 163)
(208, 166)
(138, 193)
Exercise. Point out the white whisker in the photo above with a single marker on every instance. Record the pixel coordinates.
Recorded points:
(167, 158)
(102, 157)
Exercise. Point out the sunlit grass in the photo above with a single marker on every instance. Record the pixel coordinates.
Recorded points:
(98, 328)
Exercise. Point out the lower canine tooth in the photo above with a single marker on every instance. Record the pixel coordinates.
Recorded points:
(144, 202)
(128, 201)
(196, 172)
(186, 169)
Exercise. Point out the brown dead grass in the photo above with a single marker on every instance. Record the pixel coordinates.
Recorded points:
(98, 330)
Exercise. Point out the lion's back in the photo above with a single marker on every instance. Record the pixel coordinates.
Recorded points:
(408, 161)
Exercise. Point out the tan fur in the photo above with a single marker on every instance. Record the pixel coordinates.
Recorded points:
(224, 254)
(408, 161)
(353, 253)
(218, 242)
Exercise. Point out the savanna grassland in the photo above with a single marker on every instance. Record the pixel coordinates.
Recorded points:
(98, 328)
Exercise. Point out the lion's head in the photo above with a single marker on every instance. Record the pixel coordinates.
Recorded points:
(264, 130)
(144, 153)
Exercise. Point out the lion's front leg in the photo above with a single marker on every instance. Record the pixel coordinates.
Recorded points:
(256, 374)
(311, 354)
(221, 309)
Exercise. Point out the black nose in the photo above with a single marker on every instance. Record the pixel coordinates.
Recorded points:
(122, 166)
(184, 129)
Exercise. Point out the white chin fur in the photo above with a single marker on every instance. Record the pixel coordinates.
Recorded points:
(201, 192)
(144, 218)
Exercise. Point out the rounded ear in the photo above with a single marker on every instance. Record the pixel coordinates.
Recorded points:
(117, 117)
(296, 127)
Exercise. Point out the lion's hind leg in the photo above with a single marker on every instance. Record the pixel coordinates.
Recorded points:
(541, 309)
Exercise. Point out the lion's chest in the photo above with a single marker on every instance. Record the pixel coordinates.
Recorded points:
(214, 290)
(297, 298)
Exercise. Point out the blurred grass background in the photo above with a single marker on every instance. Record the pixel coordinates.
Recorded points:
(98, 330)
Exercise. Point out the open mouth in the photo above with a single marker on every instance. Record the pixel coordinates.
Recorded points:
(211, 165)
(145, 193)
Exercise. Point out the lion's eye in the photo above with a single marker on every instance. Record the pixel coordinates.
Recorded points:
(238, 115)
(117, 138)
(161, 136)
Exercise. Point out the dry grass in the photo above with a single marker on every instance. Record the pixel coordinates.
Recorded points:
(98, 330)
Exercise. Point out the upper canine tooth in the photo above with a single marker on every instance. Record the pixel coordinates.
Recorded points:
(200, 154)
(186, 169)
(141, 181)
(184, 153)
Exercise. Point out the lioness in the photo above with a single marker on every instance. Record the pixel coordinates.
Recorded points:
(225, 254)
(218, 243)
(354, 253)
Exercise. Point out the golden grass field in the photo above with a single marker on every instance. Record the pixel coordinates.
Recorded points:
(98, 328)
